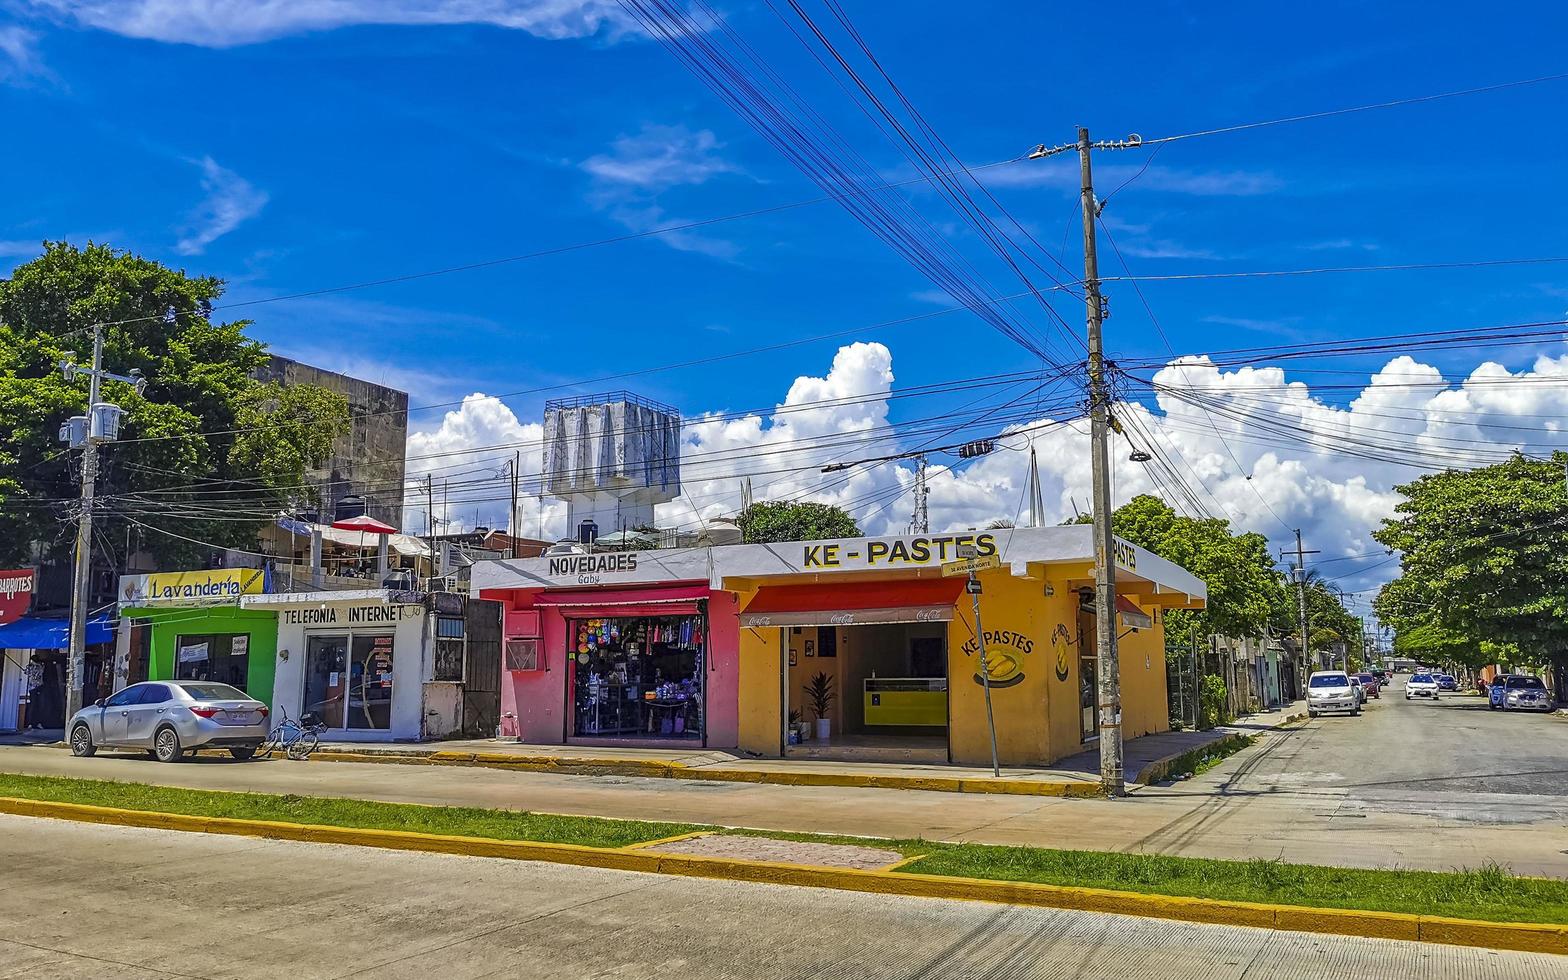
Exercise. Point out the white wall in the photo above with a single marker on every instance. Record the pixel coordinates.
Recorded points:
(13, 684)
(409, 667)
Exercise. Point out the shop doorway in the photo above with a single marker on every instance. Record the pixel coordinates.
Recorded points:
(883, 687)
(348, 680)
(1088, 677)
(638, 678)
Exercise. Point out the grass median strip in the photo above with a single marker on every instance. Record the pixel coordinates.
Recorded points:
(1489, 894)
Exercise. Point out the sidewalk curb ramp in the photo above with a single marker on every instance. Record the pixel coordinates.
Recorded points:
(659, 769)
(1524, 937)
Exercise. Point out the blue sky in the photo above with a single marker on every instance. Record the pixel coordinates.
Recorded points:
(286, 150)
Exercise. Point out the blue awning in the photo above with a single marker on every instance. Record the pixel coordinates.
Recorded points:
(32, 633)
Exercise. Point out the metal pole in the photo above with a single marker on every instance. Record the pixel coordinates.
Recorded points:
(517, 460)
(1301, 602)
(985, 676)
(81, 579)
(1112, 778)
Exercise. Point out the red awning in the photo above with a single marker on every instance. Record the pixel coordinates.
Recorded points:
(1131, 615)
(610, 604)
(854, 603)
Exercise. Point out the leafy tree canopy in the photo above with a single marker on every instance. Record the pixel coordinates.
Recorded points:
(207, 452)
(782, 521)
(1245, 588)
(1484, 566)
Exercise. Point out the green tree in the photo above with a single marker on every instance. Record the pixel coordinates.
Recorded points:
(783, 521)
(1244, 586)
(1484, 564)
(206, 453)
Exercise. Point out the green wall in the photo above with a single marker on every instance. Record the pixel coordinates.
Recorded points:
(167, 625)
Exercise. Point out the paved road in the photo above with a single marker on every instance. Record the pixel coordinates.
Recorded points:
(1403, 785)
(90, 902)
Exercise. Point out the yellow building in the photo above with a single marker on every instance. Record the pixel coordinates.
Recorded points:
(871, 626)
(896, 641)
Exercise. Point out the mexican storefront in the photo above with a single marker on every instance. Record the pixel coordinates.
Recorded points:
(352, 658)
(190, 626)
(625, 647)
(854, 648)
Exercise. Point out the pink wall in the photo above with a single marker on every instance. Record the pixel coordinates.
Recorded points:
(540, 701)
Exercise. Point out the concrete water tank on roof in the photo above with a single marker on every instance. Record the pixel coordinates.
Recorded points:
(614, 443)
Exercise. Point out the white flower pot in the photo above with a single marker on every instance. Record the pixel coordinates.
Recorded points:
(824, 728)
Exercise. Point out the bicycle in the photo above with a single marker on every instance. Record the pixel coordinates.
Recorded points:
(298, 739)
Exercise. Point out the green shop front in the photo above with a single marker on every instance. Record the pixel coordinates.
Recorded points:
(189, 626)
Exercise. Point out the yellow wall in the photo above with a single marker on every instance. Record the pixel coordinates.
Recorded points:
(1144, 701)
(1020, 618)
(1037, 717)
(760, 699)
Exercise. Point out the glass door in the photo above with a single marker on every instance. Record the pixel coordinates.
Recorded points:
(1088, 679)
(326, 678)
(370, 683)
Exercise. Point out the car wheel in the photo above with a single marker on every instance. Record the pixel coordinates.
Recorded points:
(243, 752)
(1311, 713)
(166, 745)
(82, 742)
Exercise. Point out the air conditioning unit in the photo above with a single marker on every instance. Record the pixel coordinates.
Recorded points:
(522, 654)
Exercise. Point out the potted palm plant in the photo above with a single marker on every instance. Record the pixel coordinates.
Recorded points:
(819, 694)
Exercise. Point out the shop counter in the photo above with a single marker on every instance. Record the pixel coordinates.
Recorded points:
(906, 701)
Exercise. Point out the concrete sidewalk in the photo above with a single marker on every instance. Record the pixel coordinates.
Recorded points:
(1075, 776)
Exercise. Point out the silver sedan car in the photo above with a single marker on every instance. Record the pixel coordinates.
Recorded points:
(170, 719)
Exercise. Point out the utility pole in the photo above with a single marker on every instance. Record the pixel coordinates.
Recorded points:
(101, 424)
(1109, 693)
(1301, 604)
(920, 521)
(517, 461)
(1112, 778)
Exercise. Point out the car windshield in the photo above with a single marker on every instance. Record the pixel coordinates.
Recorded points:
(1527, 683)
(1367, 677)
(1422, 679)
(1329, 680)
(214, 692)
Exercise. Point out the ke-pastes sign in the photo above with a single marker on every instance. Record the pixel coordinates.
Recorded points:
(373, 615)
(16, 594)
(179, 588)
(896, 552)
(1006, 651)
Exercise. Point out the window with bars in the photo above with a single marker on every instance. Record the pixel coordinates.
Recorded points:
(522, 653)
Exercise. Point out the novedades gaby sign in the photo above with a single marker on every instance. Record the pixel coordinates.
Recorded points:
(208, 585)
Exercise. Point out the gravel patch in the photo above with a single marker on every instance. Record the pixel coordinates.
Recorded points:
(783, 851)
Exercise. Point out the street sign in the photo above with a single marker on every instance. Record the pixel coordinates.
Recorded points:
(968, 566)
(972, 586)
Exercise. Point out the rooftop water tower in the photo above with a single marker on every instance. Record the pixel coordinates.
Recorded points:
(612, 458)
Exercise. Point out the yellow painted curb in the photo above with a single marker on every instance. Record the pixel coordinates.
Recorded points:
(660, 769)
(1527, 937)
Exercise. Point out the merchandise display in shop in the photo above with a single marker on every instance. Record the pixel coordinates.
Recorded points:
(638, 677)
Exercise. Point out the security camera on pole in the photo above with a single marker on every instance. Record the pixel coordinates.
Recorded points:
(101, 424)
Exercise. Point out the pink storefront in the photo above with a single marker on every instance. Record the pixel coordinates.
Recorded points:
(615, 655)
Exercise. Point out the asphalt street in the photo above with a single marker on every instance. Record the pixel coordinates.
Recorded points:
(1413, 785)
(87, 901)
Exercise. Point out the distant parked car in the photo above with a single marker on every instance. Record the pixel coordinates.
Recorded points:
(1520, 692)
(1331, 690)
(1447, 682)
(171, 718)
(1421, 686)
(1372, 685)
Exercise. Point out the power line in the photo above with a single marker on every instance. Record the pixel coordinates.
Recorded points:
(1327, 113)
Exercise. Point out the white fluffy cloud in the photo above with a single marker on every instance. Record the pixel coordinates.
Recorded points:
(18, 53)
(226, 23)
(1270, 455)
(630, 176)
(230, 202)
(467, 458)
